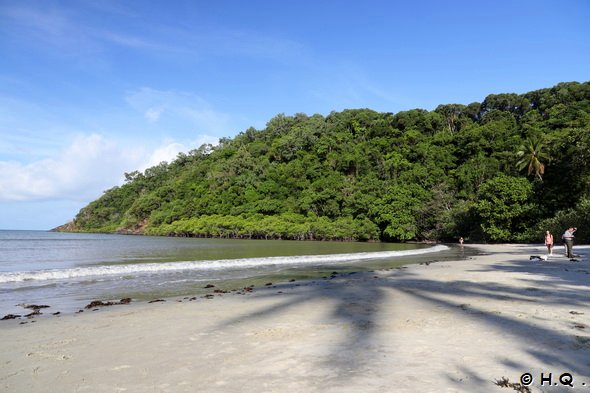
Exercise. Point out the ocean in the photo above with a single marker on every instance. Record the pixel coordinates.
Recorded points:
(68, 270)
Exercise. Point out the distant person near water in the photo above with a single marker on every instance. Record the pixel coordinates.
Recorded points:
(568, 238)
(461, 241)
(549, 242)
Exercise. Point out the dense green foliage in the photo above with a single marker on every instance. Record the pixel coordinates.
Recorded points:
(505, 169)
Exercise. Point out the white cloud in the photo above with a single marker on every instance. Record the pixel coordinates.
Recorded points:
(81, 171)
(89, 164)
(168, 150)
(43, 159)
(46, 22)
(153, 114)
(67, 28)
(179, 109)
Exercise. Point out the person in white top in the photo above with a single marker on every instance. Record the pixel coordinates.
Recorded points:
(549, 242)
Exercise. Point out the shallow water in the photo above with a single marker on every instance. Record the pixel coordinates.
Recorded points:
(68, 270)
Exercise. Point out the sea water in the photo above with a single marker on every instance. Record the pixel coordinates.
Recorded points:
(68, 270)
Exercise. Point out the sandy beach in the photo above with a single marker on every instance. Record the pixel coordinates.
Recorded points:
(458, 326)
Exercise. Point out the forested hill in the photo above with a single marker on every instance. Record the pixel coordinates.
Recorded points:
(505, 169)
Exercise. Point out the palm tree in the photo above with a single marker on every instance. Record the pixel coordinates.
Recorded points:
(532, 156)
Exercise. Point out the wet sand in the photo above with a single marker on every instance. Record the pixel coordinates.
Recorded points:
(457, 326)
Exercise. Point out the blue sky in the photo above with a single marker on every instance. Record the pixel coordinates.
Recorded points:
(92, 89)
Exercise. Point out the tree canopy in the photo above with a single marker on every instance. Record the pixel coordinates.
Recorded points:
(459, 170)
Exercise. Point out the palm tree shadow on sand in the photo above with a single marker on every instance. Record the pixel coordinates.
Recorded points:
(360, 309)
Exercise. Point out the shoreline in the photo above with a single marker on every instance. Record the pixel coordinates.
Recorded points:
(441, 326)
(280, 263)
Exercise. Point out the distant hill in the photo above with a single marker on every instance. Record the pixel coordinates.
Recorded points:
(505, 169)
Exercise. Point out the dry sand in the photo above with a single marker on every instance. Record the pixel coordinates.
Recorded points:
(444, 327)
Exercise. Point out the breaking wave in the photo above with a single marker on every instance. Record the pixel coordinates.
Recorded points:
(221, 264)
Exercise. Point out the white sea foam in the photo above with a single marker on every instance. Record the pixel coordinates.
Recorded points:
(244, 263)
